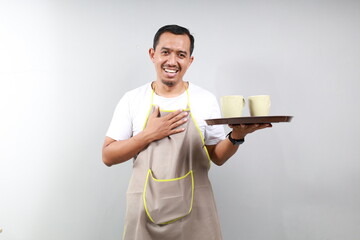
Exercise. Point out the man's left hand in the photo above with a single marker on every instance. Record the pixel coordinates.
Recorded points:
(239, 131)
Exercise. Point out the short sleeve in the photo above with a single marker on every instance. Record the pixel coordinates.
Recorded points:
(214, 133)
(121, 124)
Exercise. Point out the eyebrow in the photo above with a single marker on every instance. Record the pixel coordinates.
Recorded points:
(169, 49)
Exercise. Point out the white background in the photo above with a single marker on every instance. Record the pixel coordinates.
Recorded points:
(65, 64)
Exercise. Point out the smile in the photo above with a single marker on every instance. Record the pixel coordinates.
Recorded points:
(170, 70)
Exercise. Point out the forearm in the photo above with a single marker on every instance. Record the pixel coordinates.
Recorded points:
(115, 152)
(222, 151)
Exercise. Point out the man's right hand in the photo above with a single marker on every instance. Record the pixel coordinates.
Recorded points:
(159, 127)
(115, 152)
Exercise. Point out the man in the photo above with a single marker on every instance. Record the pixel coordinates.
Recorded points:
(170, 195)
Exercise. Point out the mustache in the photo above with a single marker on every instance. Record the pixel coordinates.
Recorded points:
(171, 66)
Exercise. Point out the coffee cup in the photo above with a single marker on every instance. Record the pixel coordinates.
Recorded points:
(232, 106)
(259, 105)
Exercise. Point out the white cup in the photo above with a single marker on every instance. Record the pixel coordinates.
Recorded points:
(259, 105)
(232, 106)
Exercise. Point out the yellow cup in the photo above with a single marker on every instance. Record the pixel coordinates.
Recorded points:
(232, 106)
(259, 105)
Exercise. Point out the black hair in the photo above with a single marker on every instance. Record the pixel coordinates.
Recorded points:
(177, 30)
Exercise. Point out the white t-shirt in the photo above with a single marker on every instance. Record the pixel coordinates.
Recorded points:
(133, 108)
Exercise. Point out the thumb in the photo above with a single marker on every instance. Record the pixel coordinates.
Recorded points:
(155, 112)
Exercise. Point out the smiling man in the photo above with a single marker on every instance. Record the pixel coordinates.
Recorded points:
(172, 58)
(161, 126)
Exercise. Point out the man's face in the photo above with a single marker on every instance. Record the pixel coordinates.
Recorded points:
(171, 58)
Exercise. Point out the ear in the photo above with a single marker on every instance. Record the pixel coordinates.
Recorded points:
(151, 54)
(191, 60)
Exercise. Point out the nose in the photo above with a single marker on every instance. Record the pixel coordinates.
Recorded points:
(172, 59)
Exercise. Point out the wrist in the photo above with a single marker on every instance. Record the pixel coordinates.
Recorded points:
(236, 135)
(145, 137)
(235, 140)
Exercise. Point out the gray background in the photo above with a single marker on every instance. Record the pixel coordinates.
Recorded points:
(65, 64)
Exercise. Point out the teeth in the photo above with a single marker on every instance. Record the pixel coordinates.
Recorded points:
(170, 71)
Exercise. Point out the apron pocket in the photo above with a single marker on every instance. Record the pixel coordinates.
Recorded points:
(168, 200)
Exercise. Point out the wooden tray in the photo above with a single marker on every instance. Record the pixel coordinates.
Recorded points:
(249, 120)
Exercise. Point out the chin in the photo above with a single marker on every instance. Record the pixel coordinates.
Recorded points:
(168, 83)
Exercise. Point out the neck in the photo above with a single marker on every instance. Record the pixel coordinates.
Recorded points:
(166, 90)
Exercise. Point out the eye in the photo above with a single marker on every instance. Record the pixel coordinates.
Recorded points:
(182, 55)
(164, 52)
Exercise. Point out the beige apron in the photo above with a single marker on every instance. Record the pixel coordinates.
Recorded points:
(170, 196)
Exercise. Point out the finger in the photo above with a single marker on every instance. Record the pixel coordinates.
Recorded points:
(156, 112)
(179, 122)
(179, 116)
(265, 125)
(254, 126)
(175, 115)
(177, 130)
(246, 128)
(259, 126)
(239, 126)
